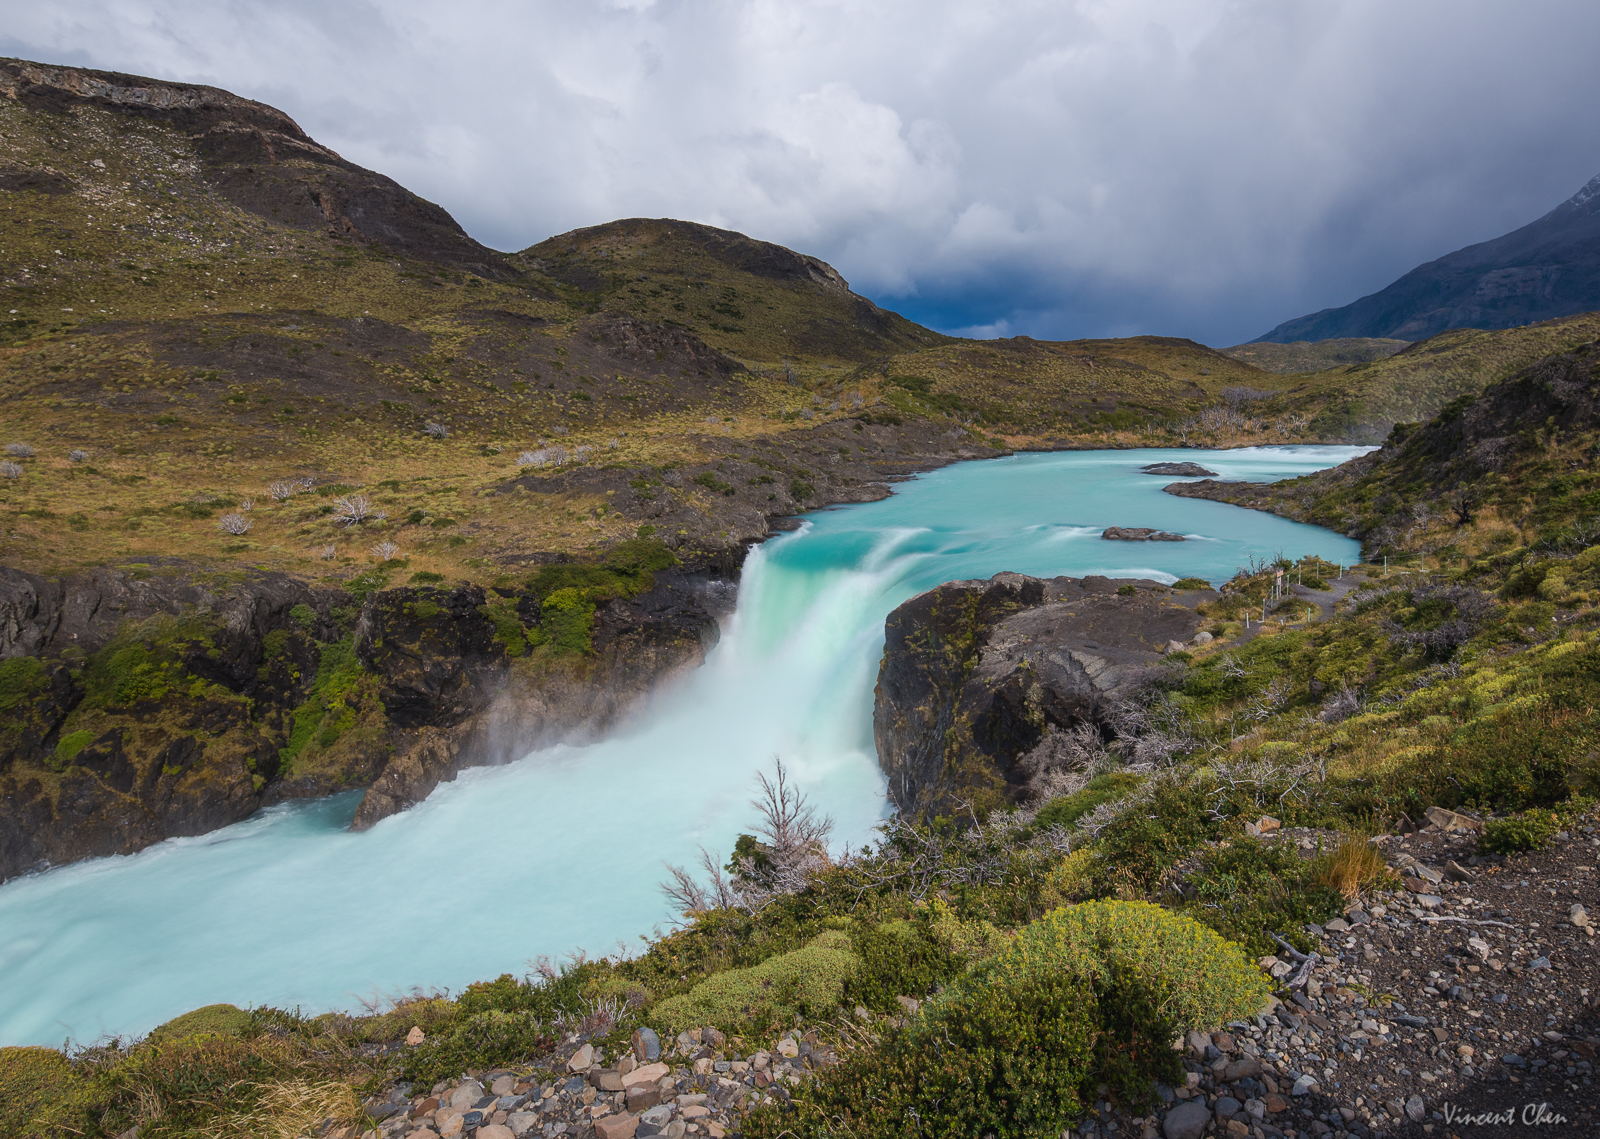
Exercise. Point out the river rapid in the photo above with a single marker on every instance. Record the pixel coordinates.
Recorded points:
(564, 849)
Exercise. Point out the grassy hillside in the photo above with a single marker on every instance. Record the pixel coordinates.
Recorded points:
(1314, 356)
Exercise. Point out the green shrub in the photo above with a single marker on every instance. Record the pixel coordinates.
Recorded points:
(1516, 834)
(1127, 590)
(1246, 888)
(1011, 1061)
(68, 747)
(304, 616)
(220, 1020)
(1137, 847)
(1196, 978)
(565, 621)
(1191, 583)
(1087, 994)
(1068, 809)
(899, 958)
(487, 1040)
(508, 628)
(21, 679)
(807, 982)
(426, 577)
(42, 1095)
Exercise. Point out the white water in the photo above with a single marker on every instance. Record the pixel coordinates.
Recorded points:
(564, 848)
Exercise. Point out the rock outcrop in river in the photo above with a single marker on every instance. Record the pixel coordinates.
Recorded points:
(977, 675)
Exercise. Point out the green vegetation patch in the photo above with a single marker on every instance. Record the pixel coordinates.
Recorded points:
(221, 1020)
(807, 982)
(1017, 1046)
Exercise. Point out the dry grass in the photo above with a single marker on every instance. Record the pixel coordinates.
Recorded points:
(288, 1109)
(1351, 868)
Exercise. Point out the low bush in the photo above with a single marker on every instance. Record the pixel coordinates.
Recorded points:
(1068, 809)
(806, 982)
(899, 958)
(41, 1095)
(1519, 833)
(1191, 583)
(484, 1040)
(1246, 889)
(220, 1020)
(1015, 1047)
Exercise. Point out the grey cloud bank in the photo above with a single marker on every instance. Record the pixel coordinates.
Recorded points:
(1061, 170)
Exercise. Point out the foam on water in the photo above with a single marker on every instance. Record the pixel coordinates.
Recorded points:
(564, 848)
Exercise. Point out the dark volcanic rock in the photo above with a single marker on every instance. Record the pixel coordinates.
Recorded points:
(975, 674)
(451, 680)
(1184, 470)
(1139, 534)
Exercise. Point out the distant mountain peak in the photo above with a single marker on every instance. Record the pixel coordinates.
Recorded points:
(1549, 268)
(1586, 199)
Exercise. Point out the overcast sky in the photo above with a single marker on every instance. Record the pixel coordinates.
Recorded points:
(1184, 167)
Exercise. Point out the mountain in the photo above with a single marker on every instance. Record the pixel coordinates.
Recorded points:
(1548, 268)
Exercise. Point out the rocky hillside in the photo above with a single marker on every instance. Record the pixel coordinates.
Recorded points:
(1503, 472)
(1549, 268)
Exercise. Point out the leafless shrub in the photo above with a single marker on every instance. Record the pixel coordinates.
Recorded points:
(77, 455)
(613, 444)
(234, 524)
(248, 504)
(791, 848)
(1081, 748)
(558, 430)
(1236, 397)
(20, 450)
(581, 454)
(532, 459)
(354, 509)
(713, 419)
(1471, 607)
(1266, 784)
(1340, 706)
(808, 414)
(283, 489)
(436, 431)
(386, 550)
(328, 552)
(10, 470)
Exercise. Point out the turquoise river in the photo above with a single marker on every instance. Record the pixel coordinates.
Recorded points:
(564, 849)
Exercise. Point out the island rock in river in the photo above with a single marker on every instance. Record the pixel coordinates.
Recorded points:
(977, 675)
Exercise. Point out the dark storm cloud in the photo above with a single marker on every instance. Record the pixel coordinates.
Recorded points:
(1173, 166)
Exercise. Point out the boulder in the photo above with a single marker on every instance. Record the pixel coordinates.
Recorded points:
(1186, 1121)
(1139, 534)
(1450, 821)
(646, 1045)
(1181, 470)
(582, 1059)
(616, 1126)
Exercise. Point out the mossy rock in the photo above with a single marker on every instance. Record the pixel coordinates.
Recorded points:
(806, 982)
(217, 1020)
